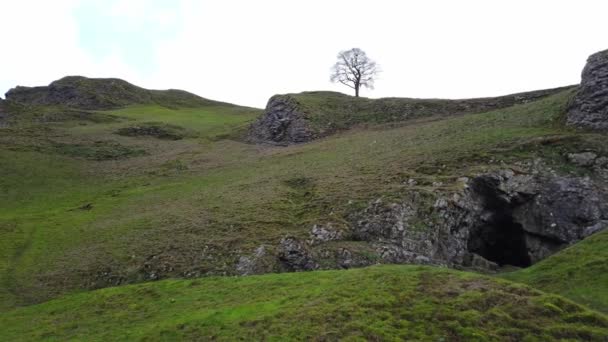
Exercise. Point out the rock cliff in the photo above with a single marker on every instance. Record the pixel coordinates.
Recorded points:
(589, 108)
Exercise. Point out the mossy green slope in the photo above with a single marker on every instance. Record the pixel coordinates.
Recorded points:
(579, 272)
(377, 303)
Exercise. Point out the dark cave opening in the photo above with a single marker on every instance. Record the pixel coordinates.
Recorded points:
(498, 237)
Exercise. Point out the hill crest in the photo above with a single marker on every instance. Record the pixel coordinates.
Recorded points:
(100, 93)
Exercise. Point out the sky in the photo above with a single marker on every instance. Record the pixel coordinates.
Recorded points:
(244, 51)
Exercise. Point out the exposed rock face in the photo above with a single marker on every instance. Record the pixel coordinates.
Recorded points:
(503, 218)
(584, 159)
(3, 114)
(402, 233)
(283, 123)
(525, 218)
(321, 234)
(294, 255)
(589, 108)
(256, 263)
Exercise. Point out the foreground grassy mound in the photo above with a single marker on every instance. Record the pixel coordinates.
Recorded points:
(377, 303)
(579, 272)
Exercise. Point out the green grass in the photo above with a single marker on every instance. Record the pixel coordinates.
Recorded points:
(192, 207)
(328, 112)
(377, 303)
(579, 272)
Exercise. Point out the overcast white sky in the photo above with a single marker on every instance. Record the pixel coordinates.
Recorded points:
(244, 51)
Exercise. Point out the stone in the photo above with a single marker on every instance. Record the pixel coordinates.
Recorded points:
(324, 233)
(3, 114)
(583, 159)
(589, 107)
(253, 264)
(601, 162)
(283, 123)
(479, 262)
(294, 255)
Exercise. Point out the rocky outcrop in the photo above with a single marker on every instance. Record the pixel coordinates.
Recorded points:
(283, 123)
(3, 114)
(589, 108)
(525, 217)
(502, 218)
(498, 218)
(260, 261)
(295, 255)
(99, 93)
(81, 92)
(298, 118)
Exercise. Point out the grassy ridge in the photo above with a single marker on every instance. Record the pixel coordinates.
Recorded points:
(579, 272)
(327, 112)
(377, 303)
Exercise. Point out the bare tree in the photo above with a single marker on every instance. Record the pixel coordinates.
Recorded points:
(354, 69)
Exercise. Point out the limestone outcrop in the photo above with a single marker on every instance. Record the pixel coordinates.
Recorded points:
(589, 108)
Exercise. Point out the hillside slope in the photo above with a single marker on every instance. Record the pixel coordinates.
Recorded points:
(579, 272)
(378, 303)
(298, 118)
(84, 206)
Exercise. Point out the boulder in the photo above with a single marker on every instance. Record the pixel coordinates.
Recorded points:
(294, 255)
(256, 263)
(589, 108)
(283, 123)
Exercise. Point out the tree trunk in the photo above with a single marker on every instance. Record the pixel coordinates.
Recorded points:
(356, 90)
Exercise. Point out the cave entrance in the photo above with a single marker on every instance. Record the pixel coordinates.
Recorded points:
(502, 242)
(498, 238)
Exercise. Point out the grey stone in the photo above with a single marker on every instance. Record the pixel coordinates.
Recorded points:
(504, 217)
(283, 123)
(589, 108)
(583, 159)
(295, 255)
(324, 233)
(255, 263)
(601, 162)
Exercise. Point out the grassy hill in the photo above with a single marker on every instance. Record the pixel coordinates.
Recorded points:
(378, 303)
(83, 207)
(297, 118)
(579, 273)
(101, 93)
(167, 187)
